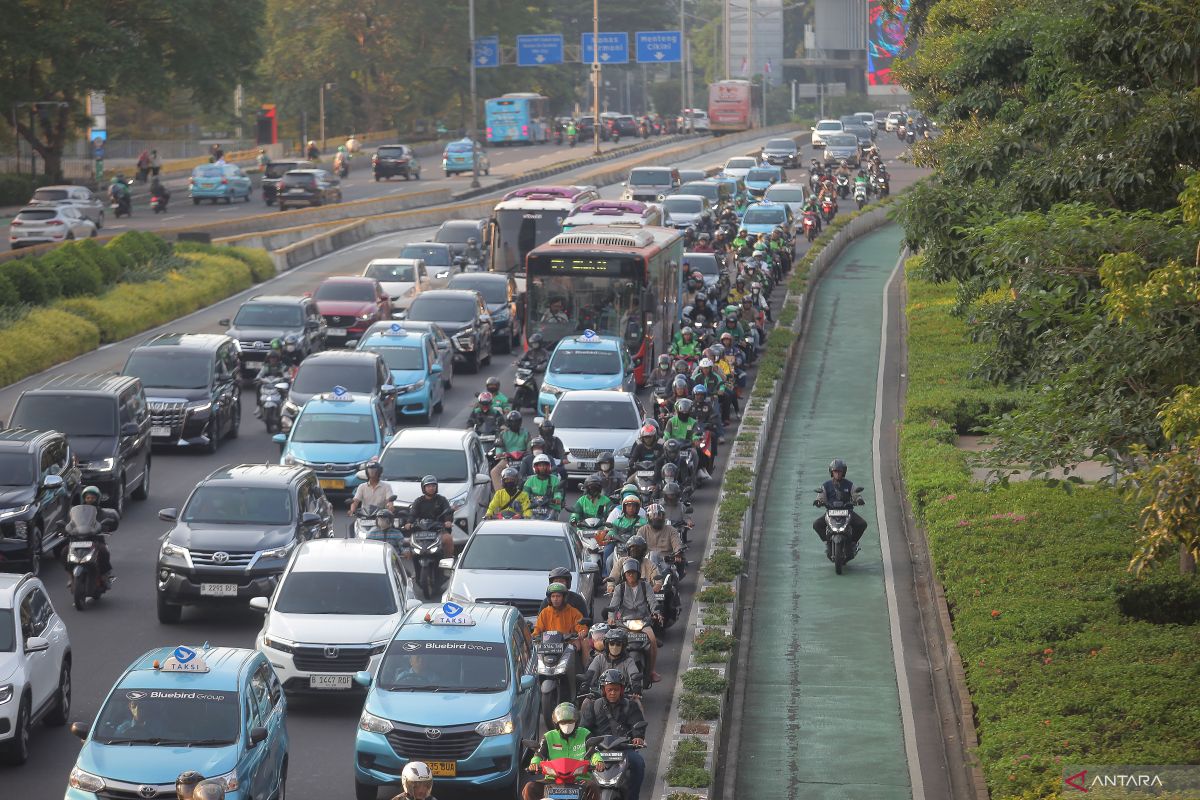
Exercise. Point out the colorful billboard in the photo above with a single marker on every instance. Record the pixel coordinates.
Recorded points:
(887, 29)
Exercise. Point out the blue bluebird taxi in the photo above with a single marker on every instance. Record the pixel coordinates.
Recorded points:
(588, 361)
(412, 358)
(455, 689)
(217, 710)
(762, 218)
(335, 435)
(459, 157)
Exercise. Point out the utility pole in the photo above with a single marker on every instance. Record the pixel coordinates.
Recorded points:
(726, 9)
(683, 104)
(596, 77)
(475, 144)
(322, 112)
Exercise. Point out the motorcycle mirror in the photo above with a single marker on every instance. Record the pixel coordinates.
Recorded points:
(858, 490)
(308, 519)
(529, 744)
(283, 386)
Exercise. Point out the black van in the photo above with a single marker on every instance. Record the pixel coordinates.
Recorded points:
(192, 387)
(107, 422)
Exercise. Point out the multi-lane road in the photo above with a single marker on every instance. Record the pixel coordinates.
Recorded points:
(109, 635)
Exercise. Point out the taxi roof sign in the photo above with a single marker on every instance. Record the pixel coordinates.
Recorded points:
(395, 329)
(589, 336)
(340, 394)
(449, 614)
(184, 659)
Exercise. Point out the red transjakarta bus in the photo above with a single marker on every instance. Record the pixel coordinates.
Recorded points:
(733, 106)
(622, 282)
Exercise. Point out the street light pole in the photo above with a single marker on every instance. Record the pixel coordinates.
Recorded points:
(474, 119)
(596, 77)
(322, 112)
(683, 106)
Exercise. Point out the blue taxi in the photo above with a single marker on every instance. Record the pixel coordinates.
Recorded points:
(589, 361)
(762, 218)
(738, 187)
(335, 435)
(759, 179)
(412, 358)
(459, 157)
(455, 689)
(217, 710)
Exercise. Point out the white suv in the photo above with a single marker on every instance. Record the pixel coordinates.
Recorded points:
(35, 664)
(824, 128)
(333, 614)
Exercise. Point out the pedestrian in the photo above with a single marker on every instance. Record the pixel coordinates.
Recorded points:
(143, 166)
(155, 163)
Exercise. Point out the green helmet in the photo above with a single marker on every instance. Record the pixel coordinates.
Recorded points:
(277, 344)
(564, 712)
(629, 489)
(92, 490)
(556, 588)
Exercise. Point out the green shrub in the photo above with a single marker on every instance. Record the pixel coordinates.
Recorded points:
(704, 680)
(30, 282)
(15, 190)
(687, 765)
(125, 261)
(45, 337)
(1161, 599)
(74, 274)
(139, 247)
(723, 566)
(713, 640)
(720, 593)
(9, 296)
(715, 615)
(108, 264)
(693, 706)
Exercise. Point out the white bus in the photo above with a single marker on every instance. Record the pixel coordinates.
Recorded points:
(528, 217)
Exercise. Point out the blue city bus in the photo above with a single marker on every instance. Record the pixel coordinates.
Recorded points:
(518, 117)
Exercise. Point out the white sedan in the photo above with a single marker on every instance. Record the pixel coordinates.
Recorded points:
(42, 224)
(593, 422)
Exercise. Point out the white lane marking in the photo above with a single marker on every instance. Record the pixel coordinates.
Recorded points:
(889, 580)
(168, 219)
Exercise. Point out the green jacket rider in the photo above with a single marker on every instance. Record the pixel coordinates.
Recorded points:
(680, 425)
(544, 483)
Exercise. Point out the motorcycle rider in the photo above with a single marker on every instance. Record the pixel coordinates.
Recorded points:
(386, 531)
(703, 244)
(565, 740)
(492, 386)
(614, 655)
(662, 538)
(374, 493)
(662, 375)
(536, 356)
(622, 523)
(632, 597)
(617, 715)
(561, 616)
(685, 344)
(511, 440)
(606, 468)
(262, 159)
(545, 485)
(472, 252)
(417, 781)
(118, 192)
(563, 575)
(593, 503)
(836, 489)
(537, 446)
(91, 497)
(485, 412)
(510, 495)
(312, 152)
(158, 190)
(681, 426)
(647, 447)
(432, 506)
(272, 371)
(676, 510)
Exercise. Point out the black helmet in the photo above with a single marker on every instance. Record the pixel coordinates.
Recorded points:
(611, 677)
(546, 429)
(656, 515)
(680, 366)
(513, 419)
(188, 780)
(683, 407)
(509, 478)
(429, 480)
(672, 448)
(664, 362)
(535, 341)
(837, 465)
(636, 541)
(672, 489)
(492, 384)
(618, 635)
(606, 458)
(560, 574)
(680, 383)
(374, 465)
(593, 481)
(537, 442)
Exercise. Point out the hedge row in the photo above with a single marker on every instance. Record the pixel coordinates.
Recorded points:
(1036, 584)
(15, 190)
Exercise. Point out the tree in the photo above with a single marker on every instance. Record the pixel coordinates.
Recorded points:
(58, 52)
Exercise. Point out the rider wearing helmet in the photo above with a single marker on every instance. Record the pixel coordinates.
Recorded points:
(661, 537)
(433, 507)
(91, 496)
(633, 598)
(647, 447)
(472, 252)
(614, 714)
(566, 739)
(544, 485)
(563, 575)
(186, 783)
(386, 530)
(272, 370)
(417, 780)
(375, 493)
(554, 445)
(685, 344)
(510, 496)
(536, 356)
(559, 615)
(512, 438)
(485, 413)
(492, 386)
(623, 522)
(606, 468)
(614, 654)
(594, 502)
(838, 489)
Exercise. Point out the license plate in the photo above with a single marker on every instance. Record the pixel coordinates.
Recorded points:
(329, 681)
(332, 483)
(637, 637)
(335, 331)
(553, 792)
(660, 596)
(443, 769)
(218, 589)
(160, 430)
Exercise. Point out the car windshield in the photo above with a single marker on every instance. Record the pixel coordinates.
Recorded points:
(587, 361)
(841, 140)
(704, 263)
(77, 415)
(764, 216)
(399, 358)
(355, 593)
(611, 415)
(33, 214)
(710, 190)
(316, 377)
(392, 152)
(394, 273)
(192, 718)
(314, 427)
(443, 665)
(451, 309)
(209, 171)
(166, 368)
(300, 179)
(50, 195)
(781, 144)
(16, 469)
(8, 636)
(357, 292)
(277, 169)
(457, 234)
(683, 205)
(785, 195)
(213, 503)
(433, 256)
(458, 147)
(411, 464)
(762, 175)
(650, 177)
(740, 163)
(493, 291)
(829, 126)
(516, 551)
(268, 315)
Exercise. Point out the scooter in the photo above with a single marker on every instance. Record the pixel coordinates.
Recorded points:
(860, 195)
(646, 479)
(612, 773)
(843, 186)
(425, 544)
(158, 203)
(341, 165)
(639, 639)
(526, 388)
(84, 532)
(556, 671)
(562, 778)
(593, 551)
(122, 204)
(810, 226)
(839, 539)
(572, 139)
(271, 397)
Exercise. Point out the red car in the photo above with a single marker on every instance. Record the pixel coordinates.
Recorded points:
(349, 305)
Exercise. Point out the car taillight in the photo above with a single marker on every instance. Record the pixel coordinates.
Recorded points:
(445, 154)
(224, 181)
(17, 223)
(524, 130)
(54, 222)
(489, 133)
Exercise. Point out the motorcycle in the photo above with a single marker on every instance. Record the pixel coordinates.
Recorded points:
(860, 195)
(810, 226)
(828, 208)
(639, 639)
(910, 136)
(593, 551)
(84, 531)
(839, 540)
(612, 773)
(572, 139)
(424, 543)
(271, 397)
(843, 186)
(646, 478)
(121, 202)
(558, 137)
(525, 394)
(562, 778)
(158, 203)
(364, 525)
(667, 606)
(341, 165)
(542, 508)
(487, 431)
(556, 671)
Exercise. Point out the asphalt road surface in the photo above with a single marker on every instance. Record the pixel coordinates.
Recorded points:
(112, 633)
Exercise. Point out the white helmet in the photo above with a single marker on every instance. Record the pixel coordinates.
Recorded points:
(415, 772)
(705, 362)
(542, 459)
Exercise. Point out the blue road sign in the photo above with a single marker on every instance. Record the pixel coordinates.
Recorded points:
(539, 50)
(659, 47)
(614, 48)
(487, 51)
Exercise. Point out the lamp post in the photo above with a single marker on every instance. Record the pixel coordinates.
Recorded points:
(685, 110)
(596, 77)
(475, 144)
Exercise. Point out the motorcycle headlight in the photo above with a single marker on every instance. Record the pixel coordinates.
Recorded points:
(373, 724)
(85, 781)
(201, 407)
(15, 512)
(6, 693)
(279, 552)
(635, 624)
(229, 780)
(496, 727)
(281, 645)
(103, 465)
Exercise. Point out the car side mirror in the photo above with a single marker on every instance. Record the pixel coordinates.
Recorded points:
(589, 566)
(225, 323)
(168, 514)
(37, 644)
(260, 603)
(257, 734)
(446, 564)
(81, 730)
(436, 369)
(528, 682)
(362, 678)
(279, 439)
(309, 519)
(130, 429)
(52, 482)
(482, 478)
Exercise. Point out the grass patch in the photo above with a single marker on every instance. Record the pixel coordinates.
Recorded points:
(1061, 661)
(694, 706)
(719, 593)
(708, 681)
(716, 615)
(723, 566)
(687, 765)
(713, 640)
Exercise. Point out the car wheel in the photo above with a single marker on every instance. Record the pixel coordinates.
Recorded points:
(62, 700)
(363, 791)
(34, 556)
(168, 614)
(143, 490)
(282, 793)
(118, 503)
(447, 173)
(16, 752)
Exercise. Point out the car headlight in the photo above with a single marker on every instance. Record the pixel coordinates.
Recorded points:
(367, 317)
(6, 693)
(229, 781)
(551, 389)
(377, 648)
(412, 387)
(200, 408)
(373, 724)
(279, 552)
(282, 645)
(290, 408)
(458, 502)
(85, 781)
(169, 550)
(496, 727)
(103, 465)
(15, 512)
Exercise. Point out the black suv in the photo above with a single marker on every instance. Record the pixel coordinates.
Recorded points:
(463, 314)
(274, 173)
(260, 319)
(782, 153)
(456, 232)
(233, 538)
(308, 187)
(396, 159)
(359, 371)
(192, 388)
(107, 422)
(507, 307)
(38, 484)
